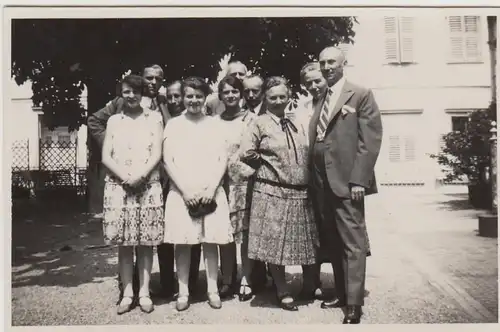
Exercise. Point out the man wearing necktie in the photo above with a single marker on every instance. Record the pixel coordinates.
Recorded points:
(96, 123)
(345, 135)
(253, 94)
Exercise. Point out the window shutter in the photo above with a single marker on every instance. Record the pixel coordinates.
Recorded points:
(410, 148)
(464, 38)
(394, 149)
(391, 41)
(472, 49)
(406, 35)
(456, 38)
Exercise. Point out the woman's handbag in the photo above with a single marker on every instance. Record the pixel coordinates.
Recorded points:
(201, 210)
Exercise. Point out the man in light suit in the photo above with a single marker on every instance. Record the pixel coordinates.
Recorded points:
(345, 135)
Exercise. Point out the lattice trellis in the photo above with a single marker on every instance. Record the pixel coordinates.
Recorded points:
(55, 156)
(20, 155)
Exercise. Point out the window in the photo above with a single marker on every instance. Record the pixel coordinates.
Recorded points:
(459, 123)
(399, 39)
(465, 41)
(402, 148)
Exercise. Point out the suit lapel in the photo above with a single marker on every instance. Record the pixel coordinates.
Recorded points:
(164, 112)
(344, 97)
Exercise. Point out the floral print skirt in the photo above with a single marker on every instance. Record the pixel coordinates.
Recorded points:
(282, 228)
(133, 217)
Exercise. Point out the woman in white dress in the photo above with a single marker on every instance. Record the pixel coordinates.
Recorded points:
(195, 159)
(133, 203)
(235, 121)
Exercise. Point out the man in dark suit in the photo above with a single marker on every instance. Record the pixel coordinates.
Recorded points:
(97, 126)
(345, 135)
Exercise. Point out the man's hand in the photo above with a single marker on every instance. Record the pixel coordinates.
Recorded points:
(357, 193)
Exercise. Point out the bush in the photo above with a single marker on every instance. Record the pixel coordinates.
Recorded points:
(468, 152)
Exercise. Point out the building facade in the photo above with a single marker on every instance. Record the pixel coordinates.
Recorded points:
(427, 73)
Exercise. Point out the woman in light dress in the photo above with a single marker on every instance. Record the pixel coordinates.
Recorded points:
(282, 228)
(235, 121)
(133, 203)
(194, 154)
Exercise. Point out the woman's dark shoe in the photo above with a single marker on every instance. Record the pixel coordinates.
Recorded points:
(125, 305)
(287, 305)
(245, 293)
(333, 303)
(182, 303)
(214, 301)
(146, 304)
(226, 292)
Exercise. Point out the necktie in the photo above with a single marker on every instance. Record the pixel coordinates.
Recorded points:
(286, 126)
(153, 104)
(324, 115)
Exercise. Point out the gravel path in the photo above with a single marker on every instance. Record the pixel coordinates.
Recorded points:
(428, 266)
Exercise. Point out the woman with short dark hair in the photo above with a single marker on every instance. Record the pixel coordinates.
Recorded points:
(133, 203)
(235, 120)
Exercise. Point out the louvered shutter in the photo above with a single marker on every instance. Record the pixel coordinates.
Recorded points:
(472, 48)
(464, 38)
(406, 36)
(394, 148)
(391, 41)
(456, 38)
(409, 148)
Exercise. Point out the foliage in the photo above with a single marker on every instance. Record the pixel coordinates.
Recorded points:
(61, 56)
(468, 152)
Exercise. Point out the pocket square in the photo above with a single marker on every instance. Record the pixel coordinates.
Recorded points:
(346, 109)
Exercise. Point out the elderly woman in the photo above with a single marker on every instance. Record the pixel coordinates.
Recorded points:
(282, 228)
(196, 210)
(235, 121)
(133, 203)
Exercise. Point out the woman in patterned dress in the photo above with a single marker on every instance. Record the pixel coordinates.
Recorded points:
(133, 203)
(194, 153)
(235, 121)
(282, 228)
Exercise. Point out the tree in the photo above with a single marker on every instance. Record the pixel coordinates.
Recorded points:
(61, 56)
(468, 153)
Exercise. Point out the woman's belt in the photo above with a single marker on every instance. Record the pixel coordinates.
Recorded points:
(283, 185)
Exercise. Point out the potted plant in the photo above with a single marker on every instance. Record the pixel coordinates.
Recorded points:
(467, 153)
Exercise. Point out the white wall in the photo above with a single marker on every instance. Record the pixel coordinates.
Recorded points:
(431, 84)
(25, 125)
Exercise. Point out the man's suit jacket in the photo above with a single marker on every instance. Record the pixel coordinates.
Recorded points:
(352, 140)
(97, 121)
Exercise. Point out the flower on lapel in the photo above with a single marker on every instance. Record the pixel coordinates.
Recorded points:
(346, 109)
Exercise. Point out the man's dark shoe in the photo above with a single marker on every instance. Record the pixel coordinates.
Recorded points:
(333, 303)
(353, 315)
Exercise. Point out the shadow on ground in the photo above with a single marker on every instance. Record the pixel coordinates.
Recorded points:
(456, 202)
(55, 243)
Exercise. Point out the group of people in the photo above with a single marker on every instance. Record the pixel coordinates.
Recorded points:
(286, 184)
